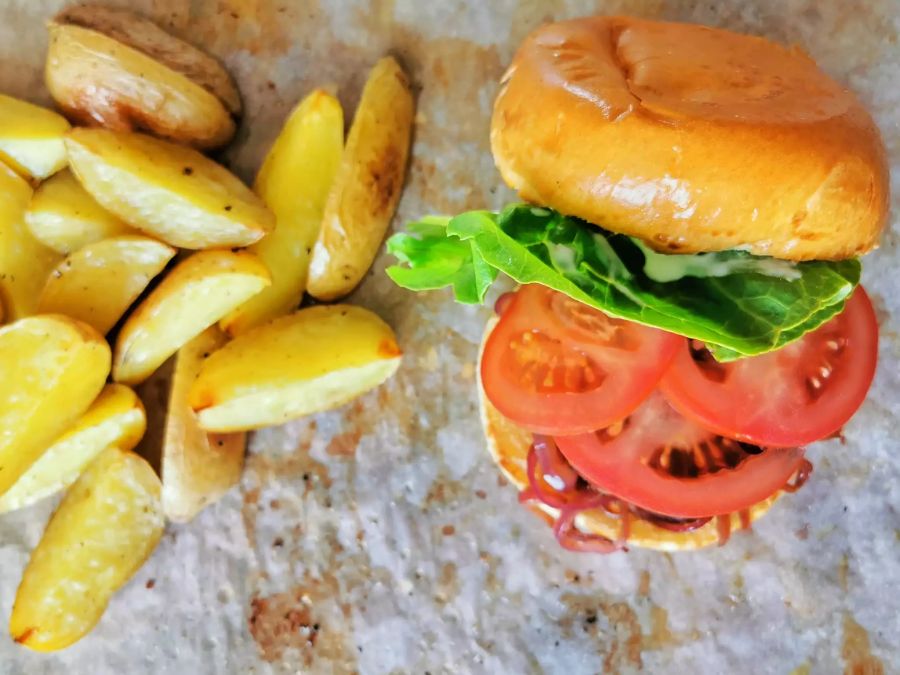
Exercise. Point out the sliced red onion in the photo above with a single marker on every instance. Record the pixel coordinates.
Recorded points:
(572, 539)
(625, 527)
(502, 303)
(798, 480)
(558, 473)
(554, 483)
(670, 524)
(569, 497)
(723, 527)
(528, 495)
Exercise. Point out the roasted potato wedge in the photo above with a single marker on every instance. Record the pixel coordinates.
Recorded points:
(197, 467)
(115, 418)
(367, 187)
(198, 292)
(99, 282)
(31, 138)
(172, 192)
(293, 182)
(24, 261)
(52, 369)
(112, 68)
(64, 217)
(106, 526)
(315, 359)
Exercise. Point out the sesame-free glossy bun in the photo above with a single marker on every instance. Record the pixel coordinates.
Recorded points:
(691, 138)
(509, 445)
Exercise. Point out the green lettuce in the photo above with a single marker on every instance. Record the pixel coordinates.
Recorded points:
(738, 304)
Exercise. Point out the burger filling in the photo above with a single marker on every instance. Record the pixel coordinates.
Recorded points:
(672, 388)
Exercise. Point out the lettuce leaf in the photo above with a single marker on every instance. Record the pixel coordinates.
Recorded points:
(738, 304)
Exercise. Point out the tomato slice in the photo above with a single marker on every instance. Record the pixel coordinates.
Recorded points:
(663, 462)
(794, 396)
(557, 366)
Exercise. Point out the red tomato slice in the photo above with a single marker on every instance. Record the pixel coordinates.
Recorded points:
(799, 394)
(557, 366)
(665, 463)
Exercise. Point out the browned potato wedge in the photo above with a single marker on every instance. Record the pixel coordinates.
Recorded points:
(64, 217)
(167, 190)
(106, 526)
(52, 369)
(24, 262)
(115, 418)
(198, 292)
(294, 182)
(31, 138)
(309, 361)
(100, 281)
(367, 186)
(112, 68)
(197, 467)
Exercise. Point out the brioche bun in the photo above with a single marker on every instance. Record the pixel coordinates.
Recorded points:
(691, 138)
(509, 445)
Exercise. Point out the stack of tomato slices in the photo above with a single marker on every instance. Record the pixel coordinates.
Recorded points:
(631, 418)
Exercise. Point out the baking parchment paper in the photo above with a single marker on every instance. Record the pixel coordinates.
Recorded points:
(379, 538)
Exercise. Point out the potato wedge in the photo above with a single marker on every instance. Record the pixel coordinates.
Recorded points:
(112, 68)
(105, 528)
(52, 369)
(197, 467)
(31, 138)
(170, 191)
(293, 182)
(24, 262)
(99, 282)
(64, 217)
(115, 418)
(198, 292)
(368, 184)
(312, 360)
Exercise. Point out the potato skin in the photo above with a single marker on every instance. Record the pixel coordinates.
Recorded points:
(368, 184)
(53, 368)
(31, 138)
(116, 417)
(197, 467)
(24, 261)
(106, 526)
(197, 293)
(294, 183)
(113, 68)
(309, 361)
(64, 217)
(169, 191)
(99, 282)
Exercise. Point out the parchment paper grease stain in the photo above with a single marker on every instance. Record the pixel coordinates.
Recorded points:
(856, 651)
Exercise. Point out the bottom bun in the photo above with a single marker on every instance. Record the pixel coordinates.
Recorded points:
(509, 445)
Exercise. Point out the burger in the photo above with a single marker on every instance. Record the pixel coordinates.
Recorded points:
(689, 316)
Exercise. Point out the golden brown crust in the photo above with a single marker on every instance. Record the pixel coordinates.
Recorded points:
(692, 138)
(146, 37)
(509, 445)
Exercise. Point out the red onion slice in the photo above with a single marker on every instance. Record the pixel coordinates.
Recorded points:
(723, 527)
(554, 483)
(572, 539)
(552, 463)
(798, 480)
(569, 497)
(670, 524)
(502, 303)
